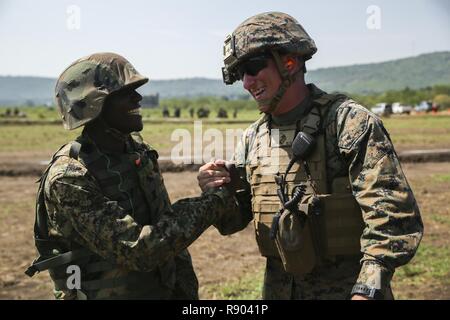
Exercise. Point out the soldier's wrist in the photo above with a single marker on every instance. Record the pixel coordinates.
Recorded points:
(367, 291)
(374, 275)
(221, 193)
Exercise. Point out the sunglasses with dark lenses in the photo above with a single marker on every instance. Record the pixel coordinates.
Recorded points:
(251, 66)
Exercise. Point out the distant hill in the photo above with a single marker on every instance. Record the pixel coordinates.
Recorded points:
(192, 87)
(415, 72)
(26, 90)
(18, 90)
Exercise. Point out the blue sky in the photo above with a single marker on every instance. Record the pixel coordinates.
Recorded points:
(179, 39)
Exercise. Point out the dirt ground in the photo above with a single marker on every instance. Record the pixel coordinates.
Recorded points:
(216, 258)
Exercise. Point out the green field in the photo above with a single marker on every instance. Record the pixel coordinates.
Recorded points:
(407, 132)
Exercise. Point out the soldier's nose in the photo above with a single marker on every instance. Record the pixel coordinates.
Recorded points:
(248, 81)
(136, 96)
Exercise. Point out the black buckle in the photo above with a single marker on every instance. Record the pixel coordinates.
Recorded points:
(31, 271)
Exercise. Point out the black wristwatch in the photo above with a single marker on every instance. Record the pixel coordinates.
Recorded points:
(367, 291)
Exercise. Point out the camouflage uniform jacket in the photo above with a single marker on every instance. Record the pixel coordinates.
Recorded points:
(358, 146)
(79, 214)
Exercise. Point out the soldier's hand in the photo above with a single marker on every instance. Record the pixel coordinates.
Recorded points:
(212, 175)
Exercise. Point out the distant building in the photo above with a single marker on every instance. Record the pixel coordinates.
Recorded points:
(151, 101)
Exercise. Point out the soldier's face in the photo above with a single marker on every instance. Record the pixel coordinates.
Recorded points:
(264, 84)
(122, 110)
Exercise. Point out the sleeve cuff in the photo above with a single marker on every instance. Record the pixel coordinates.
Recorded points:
(222, 193)
(375, 275)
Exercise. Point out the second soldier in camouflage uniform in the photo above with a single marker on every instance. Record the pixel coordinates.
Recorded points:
(360, 217)
(102, 204)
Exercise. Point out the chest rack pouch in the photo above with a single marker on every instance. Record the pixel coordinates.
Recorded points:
(289, 230)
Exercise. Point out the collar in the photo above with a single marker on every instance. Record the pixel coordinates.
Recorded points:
(130, 146)
(294, 114)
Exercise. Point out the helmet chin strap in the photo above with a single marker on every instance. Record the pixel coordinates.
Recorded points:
(286, 80)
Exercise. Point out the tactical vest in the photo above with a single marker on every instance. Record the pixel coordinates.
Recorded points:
(133, 180)
(334, 224)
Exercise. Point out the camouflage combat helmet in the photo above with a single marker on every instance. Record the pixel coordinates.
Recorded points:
(82, 88)
(264, 32)
(273, 32)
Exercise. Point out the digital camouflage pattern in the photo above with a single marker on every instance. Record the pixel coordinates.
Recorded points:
(82, 88)
(270, 30)
(358, 146)
(150, 248)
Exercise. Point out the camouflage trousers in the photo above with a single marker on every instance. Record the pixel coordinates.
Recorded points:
(333, 280)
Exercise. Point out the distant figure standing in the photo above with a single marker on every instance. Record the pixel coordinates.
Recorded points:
(222, 113)
(177, 112)
(435, 107)
(165, 112)
(203, 113)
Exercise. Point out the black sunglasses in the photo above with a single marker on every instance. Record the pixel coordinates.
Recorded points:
(251, 66)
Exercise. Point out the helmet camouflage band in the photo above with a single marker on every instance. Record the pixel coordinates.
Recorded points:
(82, 88)
(264, 32)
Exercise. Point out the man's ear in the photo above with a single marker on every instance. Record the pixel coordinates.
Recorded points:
(292, 63)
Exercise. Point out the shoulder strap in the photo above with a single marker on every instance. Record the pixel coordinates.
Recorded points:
(250, 138)
(141, 145)
(75, 150)
(320, 106)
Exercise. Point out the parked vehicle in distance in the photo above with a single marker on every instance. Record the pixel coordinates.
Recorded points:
(423, 106)
(382, 109)
(398, 108)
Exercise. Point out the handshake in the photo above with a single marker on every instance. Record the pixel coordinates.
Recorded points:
(218, 173)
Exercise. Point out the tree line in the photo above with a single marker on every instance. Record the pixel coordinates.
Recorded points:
(439, 94)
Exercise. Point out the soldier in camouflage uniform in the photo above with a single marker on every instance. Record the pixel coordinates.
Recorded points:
(357, 220)
(102, 204)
